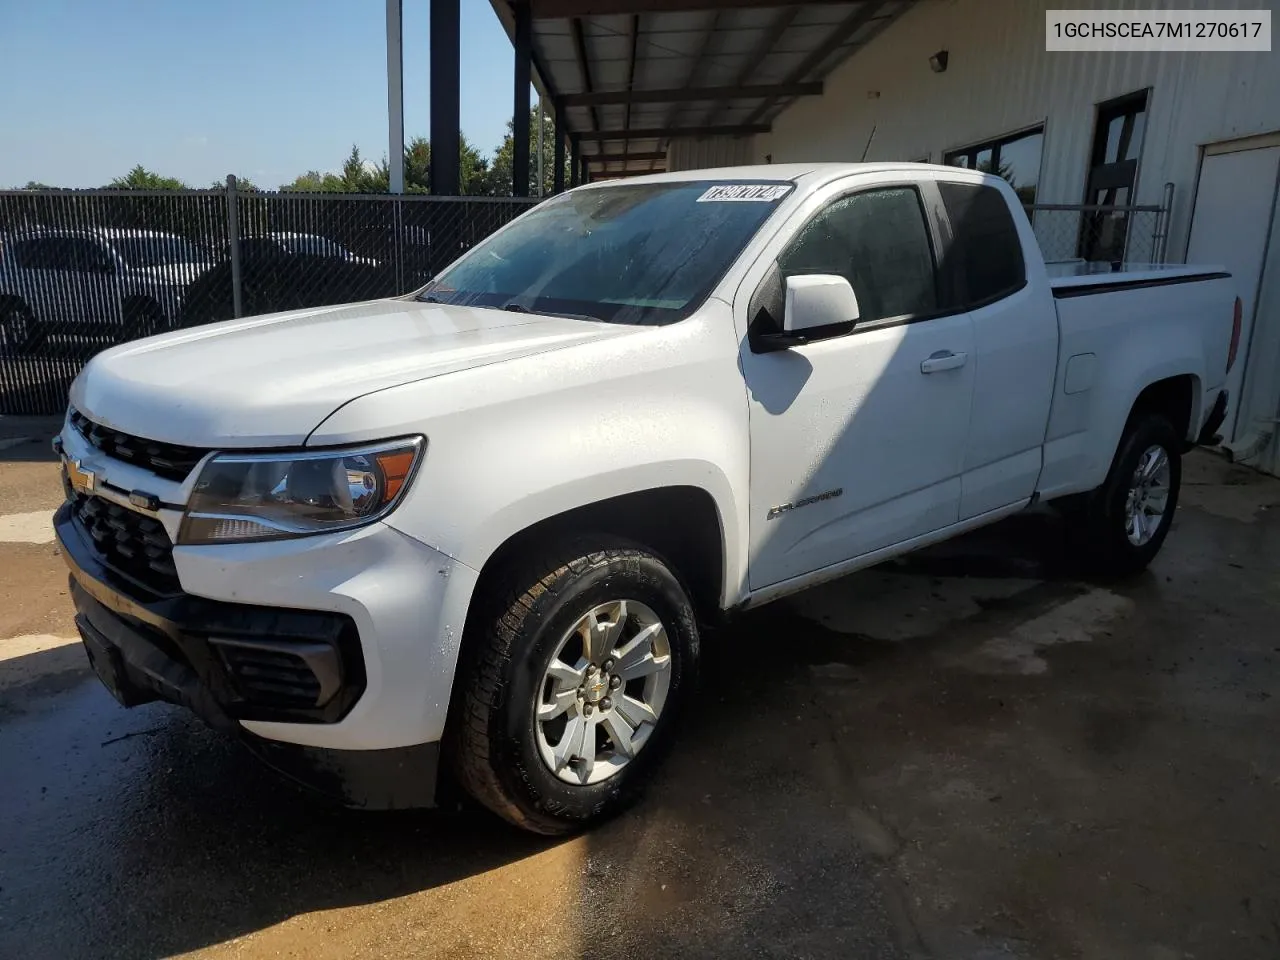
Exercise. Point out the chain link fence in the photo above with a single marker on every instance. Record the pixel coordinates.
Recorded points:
(1106, 237)
(83, 270)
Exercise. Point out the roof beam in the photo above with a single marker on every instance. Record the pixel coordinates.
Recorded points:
(661, 133)
(584, 66)
(563, 9)
(777, 27)
(840, 35)
(634, 31)
(691, 94)
(620, 174)
(610, 157)
(705, 49)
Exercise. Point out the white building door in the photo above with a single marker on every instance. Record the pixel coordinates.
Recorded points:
(1231, 224)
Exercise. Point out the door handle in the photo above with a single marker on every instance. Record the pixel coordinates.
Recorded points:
(943, 360)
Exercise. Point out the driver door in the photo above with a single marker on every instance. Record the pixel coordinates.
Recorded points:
(858, 440)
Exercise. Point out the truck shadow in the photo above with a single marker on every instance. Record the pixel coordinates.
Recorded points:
(167, 837)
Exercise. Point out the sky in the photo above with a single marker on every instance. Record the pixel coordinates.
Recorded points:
(197, 89)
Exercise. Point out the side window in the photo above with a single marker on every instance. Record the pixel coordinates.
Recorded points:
(879, 241)
(36, 254)
(985, 258)
(85, 256)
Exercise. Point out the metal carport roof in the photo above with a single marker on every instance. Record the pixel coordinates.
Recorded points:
(626, 76)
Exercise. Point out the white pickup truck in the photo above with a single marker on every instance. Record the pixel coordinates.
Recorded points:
(479, 526)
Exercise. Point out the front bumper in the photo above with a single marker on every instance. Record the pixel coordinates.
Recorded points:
(381, 670)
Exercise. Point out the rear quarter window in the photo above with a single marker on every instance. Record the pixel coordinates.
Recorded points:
(985, 257)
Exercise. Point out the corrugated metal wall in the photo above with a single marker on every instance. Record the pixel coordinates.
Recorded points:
(1000, 79)
(689, 154)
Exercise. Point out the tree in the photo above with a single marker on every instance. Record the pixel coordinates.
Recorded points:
(36, 185)
(361, 176)
(242, 184)
(473, 169)
(140, 178)
(499, 180)
(417, 165)
(313, 181)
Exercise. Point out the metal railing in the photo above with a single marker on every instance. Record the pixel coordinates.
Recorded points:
(83, 270)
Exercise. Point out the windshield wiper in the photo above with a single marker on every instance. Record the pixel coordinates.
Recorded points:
(428, 298)
(513, 307)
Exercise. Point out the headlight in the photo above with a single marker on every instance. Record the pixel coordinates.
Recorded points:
(268, 496)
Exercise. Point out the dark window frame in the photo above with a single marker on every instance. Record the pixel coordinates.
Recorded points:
(764, 302)
(1113, 176)
(971, 151)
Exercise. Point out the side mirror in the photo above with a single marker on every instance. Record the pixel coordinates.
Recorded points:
(815, 306)
(817, 300)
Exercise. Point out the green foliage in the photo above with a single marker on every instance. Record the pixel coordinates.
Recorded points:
(140, 178)
(498, 182)
(478, 175)
(243, 184)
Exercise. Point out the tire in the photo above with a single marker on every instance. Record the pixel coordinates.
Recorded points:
(502, 754)
(17, 328)
(1104, 536)
(142, 318)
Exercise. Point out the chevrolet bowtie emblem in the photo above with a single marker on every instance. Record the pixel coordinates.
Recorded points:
(81, 480)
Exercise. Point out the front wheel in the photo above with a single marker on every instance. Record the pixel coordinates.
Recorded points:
(577, 671)
(1125, 521)
(17, 328)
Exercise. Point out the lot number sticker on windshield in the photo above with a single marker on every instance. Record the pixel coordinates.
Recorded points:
(742, 192)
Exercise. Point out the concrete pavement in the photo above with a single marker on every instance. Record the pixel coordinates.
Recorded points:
(968, 754)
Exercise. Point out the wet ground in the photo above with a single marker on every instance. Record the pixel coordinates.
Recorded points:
(970, 754)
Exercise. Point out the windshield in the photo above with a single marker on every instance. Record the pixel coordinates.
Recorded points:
(157, 251)
(630, 253)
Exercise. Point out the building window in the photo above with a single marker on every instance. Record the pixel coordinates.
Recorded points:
(1015, 157)
(1113, 171)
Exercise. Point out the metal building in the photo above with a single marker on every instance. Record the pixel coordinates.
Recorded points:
(1104, 139)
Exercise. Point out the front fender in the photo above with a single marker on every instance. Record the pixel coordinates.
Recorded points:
(515, 443)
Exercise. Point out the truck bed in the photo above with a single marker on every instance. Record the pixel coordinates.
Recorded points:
(1077, 278)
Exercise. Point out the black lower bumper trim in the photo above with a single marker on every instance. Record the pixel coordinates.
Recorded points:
(159, 648)
(402, 778)
(227, 661)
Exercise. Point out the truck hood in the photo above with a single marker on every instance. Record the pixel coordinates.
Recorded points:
(271, 380)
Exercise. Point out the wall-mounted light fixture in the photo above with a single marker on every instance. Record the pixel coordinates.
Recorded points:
(938, 62)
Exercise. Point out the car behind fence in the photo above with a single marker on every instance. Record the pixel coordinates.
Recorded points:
(81, 270)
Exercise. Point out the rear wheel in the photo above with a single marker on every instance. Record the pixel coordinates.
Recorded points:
(1125, 521)
(578, 669)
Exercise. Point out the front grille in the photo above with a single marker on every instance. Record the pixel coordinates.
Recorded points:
(130, 543)
(168, 460)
